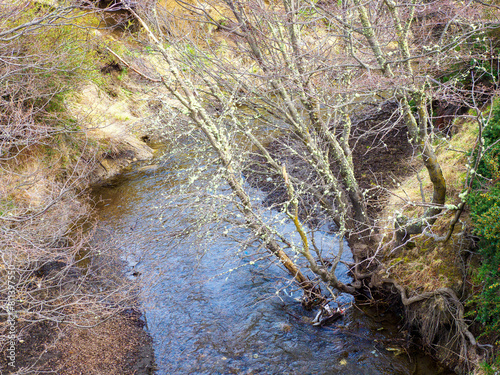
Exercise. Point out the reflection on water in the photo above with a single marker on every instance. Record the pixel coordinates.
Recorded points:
(207, 320)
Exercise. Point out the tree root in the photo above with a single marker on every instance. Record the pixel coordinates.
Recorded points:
(440, 321)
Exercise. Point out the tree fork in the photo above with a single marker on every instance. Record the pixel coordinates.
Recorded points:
(220, 144)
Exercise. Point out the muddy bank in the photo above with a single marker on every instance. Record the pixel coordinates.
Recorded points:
(382, 159)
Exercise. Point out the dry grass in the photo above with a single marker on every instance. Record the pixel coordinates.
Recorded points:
(110, 348)
(428, 266)
(112, 120)
(452, 156)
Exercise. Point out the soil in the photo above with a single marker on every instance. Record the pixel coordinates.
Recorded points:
(117, 346)
(380, 151)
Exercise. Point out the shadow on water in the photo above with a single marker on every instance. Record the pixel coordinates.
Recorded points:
(206, 319)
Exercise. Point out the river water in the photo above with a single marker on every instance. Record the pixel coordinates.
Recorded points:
(211, 311)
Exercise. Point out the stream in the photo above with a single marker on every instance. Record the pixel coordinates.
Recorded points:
(211, 312)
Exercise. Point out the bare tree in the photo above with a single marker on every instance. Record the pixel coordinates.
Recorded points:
(275, 90)
(306, 82)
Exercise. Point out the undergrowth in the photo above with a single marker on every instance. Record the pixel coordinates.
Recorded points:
(39, 66)
(484, 203)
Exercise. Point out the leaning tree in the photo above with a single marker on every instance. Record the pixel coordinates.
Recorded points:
(272, 94)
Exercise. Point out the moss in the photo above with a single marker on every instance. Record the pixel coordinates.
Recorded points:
(426, 265)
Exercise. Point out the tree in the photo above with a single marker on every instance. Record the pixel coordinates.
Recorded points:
(304, 70)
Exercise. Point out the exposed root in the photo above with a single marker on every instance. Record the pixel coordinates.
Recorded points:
(439, 318)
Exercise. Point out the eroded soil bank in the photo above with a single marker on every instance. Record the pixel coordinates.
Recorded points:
(93, 335)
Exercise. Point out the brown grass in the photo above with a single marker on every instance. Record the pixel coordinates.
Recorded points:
(111, 348)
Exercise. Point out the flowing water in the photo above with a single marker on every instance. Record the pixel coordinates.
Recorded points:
(205, 319)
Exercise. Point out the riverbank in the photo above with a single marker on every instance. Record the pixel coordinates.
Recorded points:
(427, 281)
(72, 309)
(437, 271)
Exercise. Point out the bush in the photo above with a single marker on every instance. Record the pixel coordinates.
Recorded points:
(39, 64)
(484, 203)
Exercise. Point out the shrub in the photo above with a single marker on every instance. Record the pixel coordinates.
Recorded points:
(484, 203)
(38, 65)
